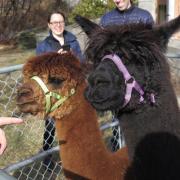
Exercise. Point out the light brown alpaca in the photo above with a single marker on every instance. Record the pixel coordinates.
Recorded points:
(82, 151)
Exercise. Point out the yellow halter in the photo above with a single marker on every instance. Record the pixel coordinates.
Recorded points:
(48, 94)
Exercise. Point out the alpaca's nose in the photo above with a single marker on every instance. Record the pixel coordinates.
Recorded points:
(24, 89)
(97, 79)
(93, 79)
(24, 93)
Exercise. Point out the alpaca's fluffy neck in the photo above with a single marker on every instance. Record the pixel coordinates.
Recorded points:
(164, 117)
(82, 150)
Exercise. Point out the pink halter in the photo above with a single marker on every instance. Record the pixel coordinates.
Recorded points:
(129, 84)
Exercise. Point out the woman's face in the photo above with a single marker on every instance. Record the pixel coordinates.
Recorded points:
(56, 24)
(122, 4)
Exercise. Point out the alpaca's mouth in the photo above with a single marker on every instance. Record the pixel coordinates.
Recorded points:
(26, 101)
(28, 107)
(99, 107)
(103, 102)
(97, 103)
(22, 103)
(104, 105)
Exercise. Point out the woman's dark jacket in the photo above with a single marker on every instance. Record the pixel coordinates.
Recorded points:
(132, 15)
(51, 44)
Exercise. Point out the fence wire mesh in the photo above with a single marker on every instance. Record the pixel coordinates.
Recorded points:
(25, 157)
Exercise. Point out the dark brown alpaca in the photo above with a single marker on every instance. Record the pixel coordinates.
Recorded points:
(149, 115)
(82, 151)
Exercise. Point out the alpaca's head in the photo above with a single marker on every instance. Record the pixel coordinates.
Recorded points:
(141, 50)
(60, 76)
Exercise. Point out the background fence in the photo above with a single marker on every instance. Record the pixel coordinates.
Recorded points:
(24, 157)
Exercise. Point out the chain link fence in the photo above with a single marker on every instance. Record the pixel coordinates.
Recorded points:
(24, 158)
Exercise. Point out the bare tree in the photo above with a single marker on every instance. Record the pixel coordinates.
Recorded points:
(17, 15)
(13, 14)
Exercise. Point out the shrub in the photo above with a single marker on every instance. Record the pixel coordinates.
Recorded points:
(92, 9)
(21, 15)
(27, 40)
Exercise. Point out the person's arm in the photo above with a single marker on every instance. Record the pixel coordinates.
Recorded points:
(39, 49)
(9, 120)
(3, 142)
(150, 20)
(5, 121)
(102, 21)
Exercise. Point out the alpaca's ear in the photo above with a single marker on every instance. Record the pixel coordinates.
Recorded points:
(87, 25)
(166, 30)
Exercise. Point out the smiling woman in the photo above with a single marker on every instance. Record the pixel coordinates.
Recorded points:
(56, 24)
(61, 41)
(59, 37)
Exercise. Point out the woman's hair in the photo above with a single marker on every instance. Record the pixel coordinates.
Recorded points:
(55, 12)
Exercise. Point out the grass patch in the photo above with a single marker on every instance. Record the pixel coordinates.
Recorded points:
(15, 56)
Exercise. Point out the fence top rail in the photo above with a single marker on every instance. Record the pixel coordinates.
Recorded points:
(173, 55)
(30, 160)
(5, 176)
(11, 68)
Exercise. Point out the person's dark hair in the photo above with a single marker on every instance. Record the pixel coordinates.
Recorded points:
(55, 12)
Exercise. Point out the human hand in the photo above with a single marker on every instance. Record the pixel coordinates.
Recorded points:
(3, 142)
(4, 121)
(10, 120)
(62, 51)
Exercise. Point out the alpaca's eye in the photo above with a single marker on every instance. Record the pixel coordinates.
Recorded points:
(55, 81)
